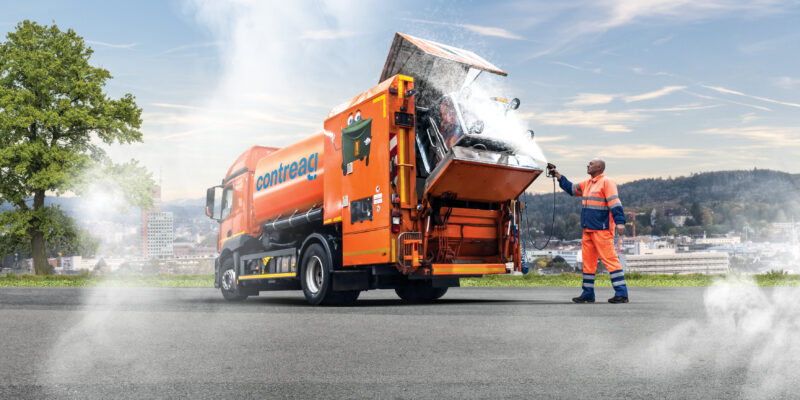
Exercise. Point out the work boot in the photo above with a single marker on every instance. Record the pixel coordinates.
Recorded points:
(618, 299)
(581, 299)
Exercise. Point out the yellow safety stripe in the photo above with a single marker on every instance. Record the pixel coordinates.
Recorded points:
(231, 237)
(400, 153)
(400, 80)
(383, 99)
(362, 252)
(332, 220)
(266, 276)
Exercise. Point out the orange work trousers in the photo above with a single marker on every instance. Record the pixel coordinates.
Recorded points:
(599, 244)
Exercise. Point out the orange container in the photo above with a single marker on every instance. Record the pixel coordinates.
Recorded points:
(289, 180)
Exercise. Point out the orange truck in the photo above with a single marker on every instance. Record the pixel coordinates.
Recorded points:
(400, 190)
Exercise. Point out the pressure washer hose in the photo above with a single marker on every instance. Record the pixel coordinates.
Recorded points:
(552, 223)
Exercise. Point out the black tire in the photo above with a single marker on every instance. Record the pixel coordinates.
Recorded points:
(419, 293)
(316, 281)
(227, 282)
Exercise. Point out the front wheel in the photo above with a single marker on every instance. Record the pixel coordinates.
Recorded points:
(227, 284)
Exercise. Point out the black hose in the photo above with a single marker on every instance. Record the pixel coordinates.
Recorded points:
(552, 224)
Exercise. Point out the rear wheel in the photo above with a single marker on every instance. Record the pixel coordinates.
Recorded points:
(227, 282)
(316, 280)
(420, 293)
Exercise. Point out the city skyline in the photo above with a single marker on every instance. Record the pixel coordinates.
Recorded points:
(656, 88)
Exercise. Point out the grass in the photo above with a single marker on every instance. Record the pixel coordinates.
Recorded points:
(160, 280)
(634, 279)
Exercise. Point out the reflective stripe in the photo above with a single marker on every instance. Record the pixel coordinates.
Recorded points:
(612, 198)
(619, 283)
(588, 284)
(595, 199)
(604, 208)
(616, 205)
(588, 276)
(616, 273)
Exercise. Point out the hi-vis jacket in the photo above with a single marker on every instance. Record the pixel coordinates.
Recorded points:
(600, 202)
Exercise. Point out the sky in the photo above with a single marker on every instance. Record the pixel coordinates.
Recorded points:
(656, 88)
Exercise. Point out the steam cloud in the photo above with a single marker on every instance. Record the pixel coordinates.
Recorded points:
(745, 326)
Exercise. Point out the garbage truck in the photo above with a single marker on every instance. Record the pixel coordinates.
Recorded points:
(401, 189)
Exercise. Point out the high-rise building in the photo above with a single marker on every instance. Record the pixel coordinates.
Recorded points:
(158, 232)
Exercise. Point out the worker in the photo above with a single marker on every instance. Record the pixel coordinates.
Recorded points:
(601, 212)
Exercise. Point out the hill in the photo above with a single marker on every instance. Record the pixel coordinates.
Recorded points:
(715, 202)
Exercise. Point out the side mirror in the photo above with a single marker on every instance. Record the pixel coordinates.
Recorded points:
(213, 207)
(513, 104)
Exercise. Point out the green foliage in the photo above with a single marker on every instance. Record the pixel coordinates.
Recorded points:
(54, 117)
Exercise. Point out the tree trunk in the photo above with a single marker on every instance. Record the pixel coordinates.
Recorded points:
(38, 245)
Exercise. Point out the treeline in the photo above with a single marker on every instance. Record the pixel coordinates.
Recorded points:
(714, 202)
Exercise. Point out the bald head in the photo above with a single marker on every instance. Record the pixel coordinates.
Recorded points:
(595, 167)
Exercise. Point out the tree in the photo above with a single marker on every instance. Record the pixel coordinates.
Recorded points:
(53, 115)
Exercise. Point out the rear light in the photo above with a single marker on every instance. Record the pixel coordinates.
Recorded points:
(395, 221)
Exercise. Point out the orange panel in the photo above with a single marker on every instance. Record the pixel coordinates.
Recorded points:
(468, 269)
(482, 181)
(371, 247)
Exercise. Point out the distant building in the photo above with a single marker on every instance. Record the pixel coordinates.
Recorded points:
(158, 230)
(677, 216)
(679, 263)
(160, 235)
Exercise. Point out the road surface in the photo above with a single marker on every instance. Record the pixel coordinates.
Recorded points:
(475, 343)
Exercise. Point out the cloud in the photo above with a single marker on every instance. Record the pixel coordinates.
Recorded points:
(703, 96)
(591, 99)
(776, 136)
(602, 119)
(737, 93)
(582, 19)
(659, 42)
(192, 46)
(575, 67)
(641, 151)
(478, 29)
(685, 107)
(178, 106)
(654, 94)
(326, 34)
(786, 82)
(550, 139)
(113, 45)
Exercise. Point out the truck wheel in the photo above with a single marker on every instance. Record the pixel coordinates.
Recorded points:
(227, 282)
(417, 293)
(315, 274)
(315, 279)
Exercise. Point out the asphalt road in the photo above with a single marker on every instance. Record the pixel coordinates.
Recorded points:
(474, 343)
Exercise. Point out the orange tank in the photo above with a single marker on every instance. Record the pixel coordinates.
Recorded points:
(289, 180)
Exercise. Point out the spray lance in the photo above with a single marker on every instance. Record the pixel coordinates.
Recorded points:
(551, 168)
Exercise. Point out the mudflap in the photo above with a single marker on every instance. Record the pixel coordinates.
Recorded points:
(351, 280)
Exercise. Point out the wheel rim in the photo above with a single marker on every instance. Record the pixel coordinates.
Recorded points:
(229, 281)
(314, 274)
